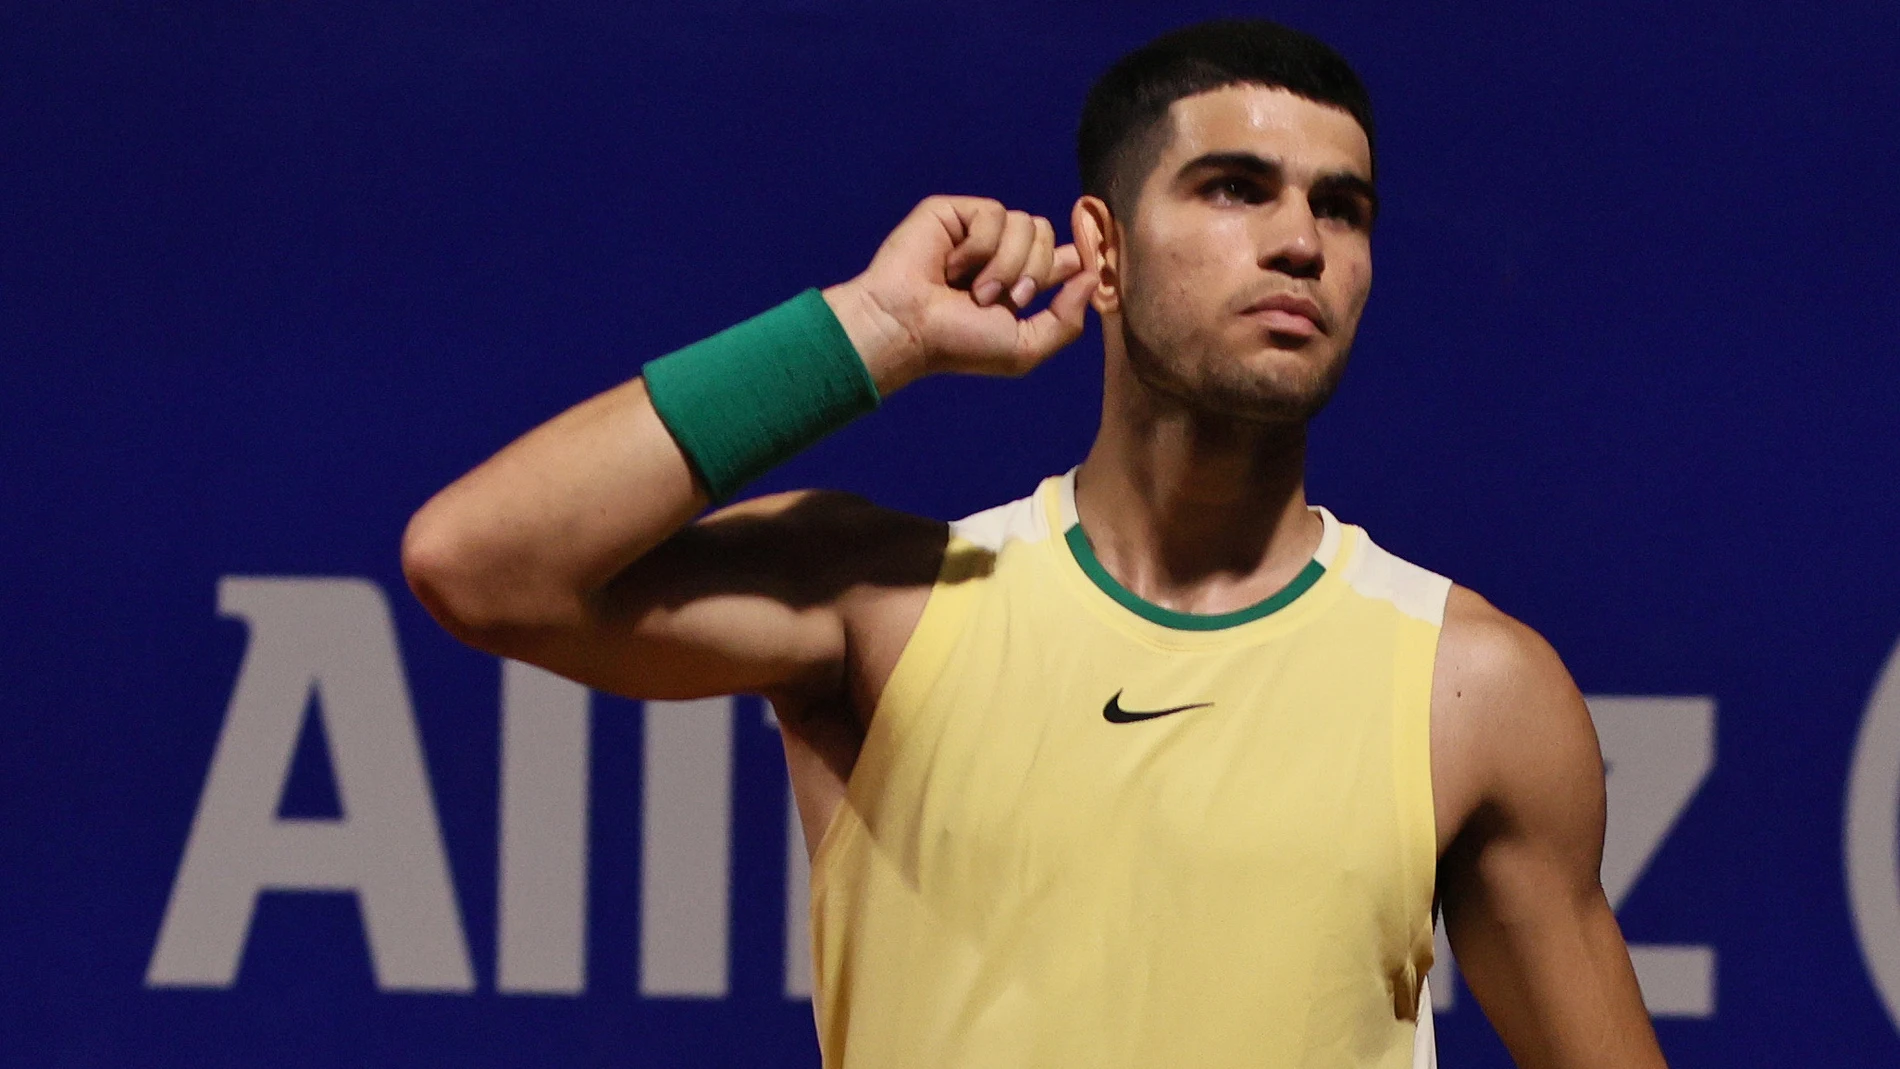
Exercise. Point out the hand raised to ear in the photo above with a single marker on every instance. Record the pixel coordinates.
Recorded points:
(945, 289)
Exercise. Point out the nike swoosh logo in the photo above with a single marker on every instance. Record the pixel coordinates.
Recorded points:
(1115, 714)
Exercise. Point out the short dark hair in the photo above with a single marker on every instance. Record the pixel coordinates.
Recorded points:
(1124, 121)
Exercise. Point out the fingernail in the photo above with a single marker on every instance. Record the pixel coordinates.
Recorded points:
(1024, 289)
(987, 292)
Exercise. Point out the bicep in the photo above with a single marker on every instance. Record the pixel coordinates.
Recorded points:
(1535, 937)
(751, 599)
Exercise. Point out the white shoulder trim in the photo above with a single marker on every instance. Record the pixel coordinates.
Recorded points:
(1329, 536)
(1416, 592)
(1066, 516)
(1020, 520)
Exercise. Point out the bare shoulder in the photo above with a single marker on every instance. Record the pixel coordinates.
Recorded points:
(1511, 736)
(1491, 664)
(873, 567)
(772, 595)
(1518, 782)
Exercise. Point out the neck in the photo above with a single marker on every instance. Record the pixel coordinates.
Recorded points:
(1194, 511)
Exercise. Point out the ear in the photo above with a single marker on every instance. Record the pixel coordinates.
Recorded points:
(1098, 238)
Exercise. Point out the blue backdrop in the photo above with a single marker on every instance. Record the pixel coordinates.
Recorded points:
(270, 274)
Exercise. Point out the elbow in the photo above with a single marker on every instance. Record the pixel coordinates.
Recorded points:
(462, 585)
(434, 565)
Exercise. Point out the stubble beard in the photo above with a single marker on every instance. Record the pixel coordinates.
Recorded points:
(1187, 364)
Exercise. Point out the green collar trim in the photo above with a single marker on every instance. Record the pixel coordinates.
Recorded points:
(1185, 621)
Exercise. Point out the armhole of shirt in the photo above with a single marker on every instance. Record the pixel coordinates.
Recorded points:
(969, 556)
(928, 647)
(1419, 597)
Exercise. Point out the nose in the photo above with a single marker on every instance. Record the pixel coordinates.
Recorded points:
(1290, 239)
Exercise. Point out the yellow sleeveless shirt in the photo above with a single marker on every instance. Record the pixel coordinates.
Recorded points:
(1086, 832)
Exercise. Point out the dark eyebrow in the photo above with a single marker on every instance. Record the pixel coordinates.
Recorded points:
(1261, 167)
(1230, 161)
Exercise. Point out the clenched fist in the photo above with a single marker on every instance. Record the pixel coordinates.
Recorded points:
(944, 291)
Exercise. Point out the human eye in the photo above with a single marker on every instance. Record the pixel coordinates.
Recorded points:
(1234, 189)
(1348, 208)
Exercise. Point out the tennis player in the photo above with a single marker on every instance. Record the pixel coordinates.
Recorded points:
(1157, 765)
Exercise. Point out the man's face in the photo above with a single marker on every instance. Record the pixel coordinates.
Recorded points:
(1249, 257)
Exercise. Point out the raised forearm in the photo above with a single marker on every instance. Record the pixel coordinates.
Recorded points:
(528, 542)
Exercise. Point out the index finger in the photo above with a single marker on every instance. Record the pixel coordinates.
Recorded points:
(975, 225)
(1041, 335)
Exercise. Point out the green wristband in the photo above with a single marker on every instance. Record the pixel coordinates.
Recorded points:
(754, 394)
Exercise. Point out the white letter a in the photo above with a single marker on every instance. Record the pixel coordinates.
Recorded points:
(333, 636)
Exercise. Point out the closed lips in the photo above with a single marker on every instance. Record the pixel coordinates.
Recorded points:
(1287, 304)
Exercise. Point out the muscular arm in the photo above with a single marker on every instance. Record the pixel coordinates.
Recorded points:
(1523, 905)
(571, 548)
